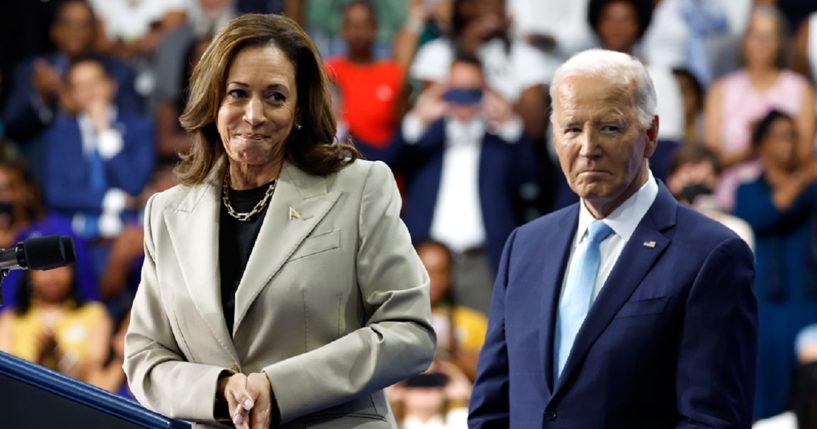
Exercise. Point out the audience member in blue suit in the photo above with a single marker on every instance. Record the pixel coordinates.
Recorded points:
(467, 163)
(781, 206)
(36, 84)
(627, 309)
(98, 160)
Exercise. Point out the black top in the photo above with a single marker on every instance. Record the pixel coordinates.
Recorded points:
(235, 242)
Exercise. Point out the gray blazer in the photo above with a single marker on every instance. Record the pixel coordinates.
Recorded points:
(333, 305)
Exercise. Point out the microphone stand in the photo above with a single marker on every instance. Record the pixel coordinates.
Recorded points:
(3, 273)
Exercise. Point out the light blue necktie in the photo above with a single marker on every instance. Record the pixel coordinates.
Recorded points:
(578, 293)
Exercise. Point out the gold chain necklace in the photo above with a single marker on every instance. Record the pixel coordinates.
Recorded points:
(244, 217)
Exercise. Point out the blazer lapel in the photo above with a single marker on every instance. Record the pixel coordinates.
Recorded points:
(194, 228)
(300, 202)
(557, 242)
(635, 261)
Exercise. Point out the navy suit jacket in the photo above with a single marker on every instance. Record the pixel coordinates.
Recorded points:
(20, 115)
(505, 168)
(66, 185)
(670, 341)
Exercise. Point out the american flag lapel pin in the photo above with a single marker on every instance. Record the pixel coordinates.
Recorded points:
(650, 244)
(294, 214)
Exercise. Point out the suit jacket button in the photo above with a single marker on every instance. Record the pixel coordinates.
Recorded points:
(551, 415)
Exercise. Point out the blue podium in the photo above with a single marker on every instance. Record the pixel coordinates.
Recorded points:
(35, 397)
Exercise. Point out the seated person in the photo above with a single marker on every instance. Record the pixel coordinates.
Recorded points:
(51, 326)
(100, 158)
(460, 330)
(122, 273)
(370, 88)
(36, 85)
(110, 376)
(693, 178)
(23, 215)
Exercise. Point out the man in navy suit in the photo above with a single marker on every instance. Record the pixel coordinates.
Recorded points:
(466, 161)
(36, 85)
(626, 310)
(98, 161)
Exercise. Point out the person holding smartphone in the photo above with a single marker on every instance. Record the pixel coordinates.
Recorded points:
(466, 160)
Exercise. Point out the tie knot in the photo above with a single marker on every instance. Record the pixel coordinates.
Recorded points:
(598, 231)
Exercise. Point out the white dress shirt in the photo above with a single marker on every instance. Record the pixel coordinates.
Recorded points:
(108, 144)
(623, 221)
(457, 220)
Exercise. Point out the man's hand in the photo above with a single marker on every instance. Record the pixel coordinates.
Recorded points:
(430, 105)
(46, 80)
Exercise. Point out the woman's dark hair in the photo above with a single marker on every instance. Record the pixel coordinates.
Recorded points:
(781, 60)
(694, 154)
(462, 13)
(34, 208)
(367, 4)
(26, 293)
(764, 125)
(643, 9)
(88, 58)
(685, 73)
(312, 148)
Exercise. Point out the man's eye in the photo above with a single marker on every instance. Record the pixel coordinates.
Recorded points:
(573, 130)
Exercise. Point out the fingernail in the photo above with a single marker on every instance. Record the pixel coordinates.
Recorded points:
(248, 404)
(238, 419)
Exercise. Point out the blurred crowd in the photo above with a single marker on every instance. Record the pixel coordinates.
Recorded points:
(453, 95)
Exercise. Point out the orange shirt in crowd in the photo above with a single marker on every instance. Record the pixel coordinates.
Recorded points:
(368, 96)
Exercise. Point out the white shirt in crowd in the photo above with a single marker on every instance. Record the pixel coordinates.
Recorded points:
(565, 21)
(129, 20)
(623, 221)
(670, 103)
(507, 72)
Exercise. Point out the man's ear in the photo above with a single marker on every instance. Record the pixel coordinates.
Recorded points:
(652, 138)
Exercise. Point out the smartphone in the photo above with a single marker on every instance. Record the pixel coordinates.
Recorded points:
(431, 379)
(463, 96)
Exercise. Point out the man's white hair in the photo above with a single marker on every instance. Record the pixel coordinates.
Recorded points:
(617, 68)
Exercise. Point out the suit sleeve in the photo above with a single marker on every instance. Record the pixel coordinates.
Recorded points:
(396, 341)
(158, 374)
(753, 203)
(130, 169)
(490, 407)
(20, 116)
(718, 348)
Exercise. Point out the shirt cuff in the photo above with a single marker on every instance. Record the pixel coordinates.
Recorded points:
(412, 128)
(511, 130)
(109, 143)
(114, 201)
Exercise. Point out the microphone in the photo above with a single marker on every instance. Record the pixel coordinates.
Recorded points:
(41, 253)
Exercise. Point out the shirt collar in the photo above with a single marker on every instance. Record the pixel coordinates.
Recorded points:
(464, 132)
(626, 217)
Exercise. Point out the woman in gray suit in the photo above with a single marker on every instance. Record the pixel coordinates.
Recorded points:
(279, 287)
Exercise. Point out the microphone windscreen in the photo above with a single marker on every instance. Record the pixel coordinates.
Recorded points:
(45, 253)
